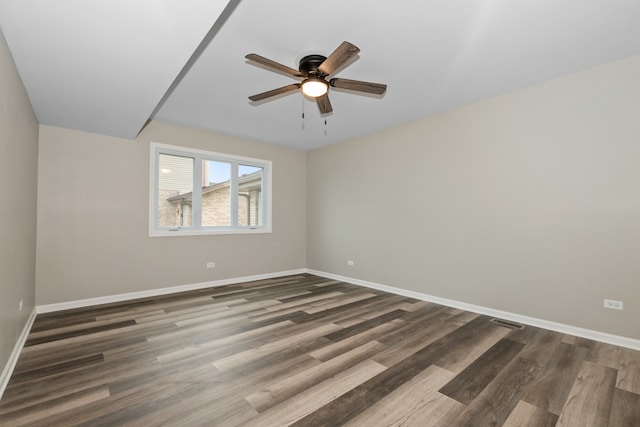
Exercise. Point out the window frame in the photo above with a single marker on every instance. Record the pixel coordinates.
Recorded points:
(199, 155)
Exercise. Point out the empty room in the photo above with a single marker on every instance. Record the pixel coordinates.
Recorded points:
(275, 213)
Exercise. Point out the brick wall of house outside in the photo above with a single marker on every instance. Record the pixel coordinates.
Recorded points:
(169, 213)
(254, 207)
(215, 208)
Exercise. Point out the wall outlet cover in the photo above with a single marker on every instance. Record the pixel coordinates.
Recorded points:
(613, 304)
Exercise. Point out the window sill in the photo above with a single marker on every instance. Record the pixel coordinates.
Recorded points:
(186, 232)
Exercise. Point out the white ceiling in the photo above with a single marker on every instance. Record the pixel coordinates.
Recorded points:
(108, 66)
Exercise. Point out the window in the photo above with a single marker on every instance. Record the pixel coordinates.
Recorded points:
(202, 192)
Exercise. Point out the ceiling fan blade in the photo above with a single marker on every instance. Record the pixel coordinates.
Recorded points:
(342, 54)
(360, 86)
(274, 92)
(273, 65)
(324, 104)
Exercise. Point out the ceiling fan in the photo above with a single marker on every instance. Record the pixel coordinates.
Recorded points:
(314, 70)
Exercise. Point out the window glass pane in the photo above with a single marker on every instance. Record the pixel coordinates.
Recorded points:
(216, 206)
(249, 195)
(175, 191)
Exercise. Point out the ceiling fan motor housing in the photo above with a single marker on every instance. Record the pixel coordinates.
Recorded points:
(310, 63)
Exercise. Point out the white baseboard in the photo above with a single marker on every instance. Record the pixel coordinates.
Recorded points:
(48, 308)
(15, 354)
(631, 343)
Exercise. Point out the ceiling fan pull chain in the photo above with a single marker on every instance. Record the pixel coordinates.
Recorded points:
(303, 113)
(325, 127)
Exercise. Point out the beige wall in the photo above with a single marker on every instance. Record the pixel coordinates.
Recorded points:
(93, 217)
(18, 170)
(527, 202)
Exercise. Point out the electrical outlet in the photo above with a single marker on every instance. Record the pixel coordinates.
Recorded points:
(613, 304)
(20, 305)
(211, 264)
(350, 262)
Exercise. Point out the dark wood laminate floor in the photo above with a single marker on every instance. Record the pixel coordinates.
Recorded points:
(309, 351)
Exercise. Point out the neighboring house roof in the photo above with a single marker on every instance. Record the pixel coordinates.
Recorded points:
(244, 181)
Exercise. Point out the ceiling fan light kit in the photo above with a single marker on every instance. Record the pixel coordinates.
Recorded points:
(314, 87)
(314, 69)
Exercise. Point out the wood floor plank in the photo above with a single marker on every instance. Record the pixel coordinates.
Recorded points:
(378, 309)
(457, 360)
(292, 410)
(45, 391)
(527, 415)
(66, 367)
(285, 388)
(495, 403)
(252, 354)
(604, 354)
(129, 403)
(467, 385)
(625, 411)
(308, 303)
(220, 318)
(85, 326)
(408, 340)
(339, 313)
(335, 349)
(197, 404)
(223, 399)
(305, 302)
(629, 371)
(72, 351)
(201, 413)
(625, 361)
(186, 351)
(84, 340)
(346, 332)
(415, 403)
(574, 340)
(524, 335)
(541, 346)
(42, 412)
(551, 387)
(590, 399)
(415, 305)
(122, 409)
(338, 302)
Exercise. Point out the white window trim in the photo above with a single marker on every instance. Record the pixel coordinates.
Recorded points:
(197, 230)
